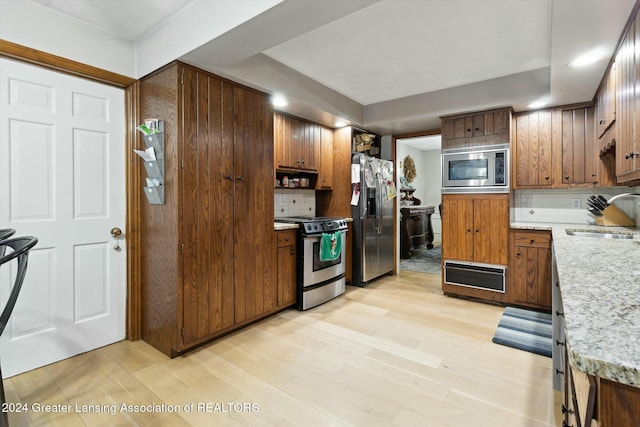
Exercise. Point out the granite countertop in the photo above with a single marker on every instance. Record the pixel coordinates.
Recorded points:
(600, 288)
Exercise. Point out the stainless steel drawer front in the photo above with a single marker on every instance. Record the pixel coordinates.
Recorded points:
(472, 275)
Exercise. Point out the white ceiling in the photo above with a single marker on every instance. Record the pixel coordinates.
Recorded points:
(394, 49)
(127, 18)
(423, 143)
(395, 66)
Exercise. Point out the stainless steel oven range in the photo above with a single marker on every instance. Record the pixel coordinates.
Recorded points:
(318, 281)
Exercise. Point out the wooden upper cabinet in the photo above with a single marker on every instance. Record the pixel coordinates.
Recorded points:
(606, 102)
(578, 158)
(477, 129)
(555, 148)
(325, 173)
(531, 154)
(297, 144)
(626, 105)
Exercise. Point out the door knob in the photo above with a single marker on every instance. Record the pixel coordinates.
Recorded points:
(116, 233)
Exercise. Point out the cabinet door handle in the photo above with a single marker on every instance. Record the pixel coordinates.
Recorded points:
(559, 372)
(559, 313)
(477, 231)
(558, 342)
(546, 178)
(240, 178)
(468, 230)
(566, 177)
(293, 252)
(229, 177)
(532, 241)
(601, 121)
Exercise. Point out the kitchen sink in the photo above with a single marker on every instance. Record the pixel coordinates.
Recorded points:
(601, 234)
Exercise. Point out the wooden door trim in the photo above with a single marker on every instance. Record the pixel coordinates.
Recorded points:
(58, 63)
(133, 185)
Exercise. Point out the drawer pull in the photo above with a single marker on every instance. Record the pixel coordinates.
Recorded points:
(559, 372)
(558, 342)
(566, 410)
(559, 313)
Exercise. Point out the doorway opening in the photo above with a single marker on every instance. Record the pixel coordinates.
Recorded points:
(419, 175)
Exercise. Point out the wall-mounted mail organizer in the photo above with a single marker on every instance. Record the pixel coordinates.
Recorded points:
(153, 156)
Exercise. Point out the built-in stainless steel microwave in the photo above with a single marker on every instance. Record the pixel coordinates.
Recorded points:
(476, 169)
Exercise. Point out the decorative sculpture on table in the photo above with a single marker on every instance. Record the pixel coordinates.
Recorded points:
(409, 169)
(407, 189)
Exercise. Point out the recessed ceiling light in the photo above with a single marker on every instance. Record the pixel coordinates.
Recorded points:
(537, 104)
(279, 101)
(588, 58)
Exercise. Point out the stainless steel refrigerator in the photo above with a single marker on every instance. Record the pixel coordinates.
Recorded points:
(372, 207)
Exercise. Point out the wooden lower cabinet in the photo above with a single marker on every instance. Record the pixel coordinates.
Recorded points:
(590, 401)
(618, 404)
(286, 267)
(475, 228)
(530, 269)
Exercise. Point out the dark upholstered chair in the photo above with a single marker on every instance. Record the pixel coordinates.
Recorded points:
(13, 249)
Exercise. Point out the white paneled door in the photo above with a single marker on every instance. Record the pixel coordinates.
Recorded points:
(62, 179)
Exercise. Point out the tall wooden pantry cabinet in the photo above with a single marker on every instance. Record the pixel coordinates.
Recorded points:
(208, 264)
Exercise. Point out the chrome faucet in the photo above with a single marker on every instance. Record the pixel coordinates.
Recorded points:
(620, 196)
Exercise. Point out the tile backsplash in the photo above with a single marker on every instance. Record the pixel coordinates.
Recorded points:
(567, 205)
(294, 202)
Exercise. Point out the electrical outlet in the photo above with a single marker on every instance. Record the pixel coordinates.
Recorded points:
(575, 203)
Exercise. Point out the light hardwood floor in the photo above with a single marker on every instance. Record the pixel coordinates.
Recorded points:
(396, 353)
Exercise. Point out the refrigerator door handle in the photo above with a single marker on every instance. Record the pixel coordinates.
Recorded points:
(380, 205)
